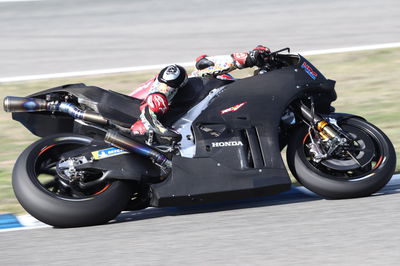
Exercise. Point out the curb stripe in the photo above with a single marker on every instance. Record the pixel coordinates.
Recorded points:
(184, 64)
(9, 220)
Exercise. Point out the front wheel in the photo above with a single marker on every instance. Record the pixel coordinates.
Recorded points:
(42, 192)
(357, 169)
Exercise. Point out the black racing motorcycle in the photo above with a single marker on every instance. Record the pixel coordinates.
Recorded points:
(87, 168)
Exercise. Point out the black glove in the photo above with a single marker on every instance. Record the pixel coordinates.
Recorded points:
(202, 62)
(258, 56)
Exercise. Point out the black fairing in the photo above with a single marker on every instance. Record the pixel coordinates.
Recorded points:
(249, 164)
(119, 108)
(44, 124)
(251, 168)
(266, 97)
(193, 92)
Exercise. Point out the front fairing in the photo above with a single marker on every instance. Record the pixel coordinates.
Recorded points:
(249, 111)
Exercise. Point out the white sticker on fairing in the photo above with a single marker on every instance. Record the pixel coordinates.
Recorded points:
(226, 144)
(106, 153)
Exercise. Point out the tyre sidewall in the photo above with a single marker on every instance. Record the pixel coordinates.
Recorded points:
(58, 211)
(323, 185)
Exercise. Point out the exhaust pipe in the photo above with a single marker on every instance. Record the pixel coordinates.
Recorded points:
(129, 144)
(25, 104)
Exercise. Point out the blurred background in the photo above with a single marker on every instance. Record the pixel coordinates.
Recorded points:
(39, 37)
(51, 36)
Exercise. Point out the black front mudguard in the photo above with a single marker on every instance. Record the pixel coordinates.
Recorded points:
(342, 116)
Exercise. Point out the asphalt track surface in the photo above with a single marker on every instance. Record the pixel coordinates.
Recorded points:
(60, 36)
(288, 229)
(52, 36)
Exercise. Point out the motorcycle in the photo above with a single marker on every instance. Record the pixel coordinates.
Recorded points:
(87, 168)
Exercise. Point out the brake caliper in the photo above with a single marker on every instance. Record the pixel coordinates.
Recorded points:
(316, 149)
(66, 169)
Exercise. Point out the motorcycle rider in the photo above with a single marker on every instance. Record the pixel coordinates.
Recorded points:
(166, 84)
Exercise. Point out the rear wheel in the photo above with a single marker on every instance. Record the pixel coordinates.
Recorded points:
(357, 169)
(43, 190)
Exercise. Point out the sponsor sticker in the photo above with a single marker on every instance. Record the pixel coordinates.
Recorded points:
(221, 144)
(233, 108)
(309, 71)
(106, 153)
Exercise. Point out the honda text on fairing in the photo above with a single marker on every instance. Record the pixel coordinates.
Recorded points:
(87, 168)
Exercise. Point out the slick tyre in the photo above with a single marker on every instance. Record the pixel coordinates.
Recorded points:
(332, 179)
(40, 191)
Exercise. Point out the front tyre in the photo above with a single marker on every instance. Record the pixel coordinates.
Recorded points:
(361, 170)
(44, 195)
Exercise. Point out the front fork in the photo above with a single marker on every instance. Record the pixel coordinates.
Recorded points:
(327, 131)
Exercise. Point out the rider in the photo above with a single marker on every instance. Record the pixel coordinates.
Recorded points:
(165, 85)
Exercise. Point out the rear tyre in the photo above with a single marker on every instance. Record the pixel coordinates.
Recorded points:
(44, 195)
(332, 178)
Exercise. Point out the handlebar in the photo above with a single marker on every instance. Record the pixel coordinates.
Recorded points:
(276, 60)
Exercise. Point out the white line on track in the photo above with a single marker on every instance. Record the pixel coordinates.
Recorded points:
(185, 64)
(353, 49)
(10, 1)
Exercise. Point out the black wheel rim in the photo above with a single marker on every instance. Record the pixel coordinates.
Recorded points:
(44, 174)
(366, 151)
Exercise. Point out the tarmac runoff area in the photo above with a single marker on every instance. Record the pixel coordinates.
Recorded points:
(53, 36)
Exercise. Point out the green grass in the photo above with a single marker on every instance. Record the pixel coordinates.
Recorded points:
(368, 84)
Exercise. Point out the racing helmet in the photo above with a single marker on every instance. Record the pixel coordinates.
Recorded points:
(174, 76)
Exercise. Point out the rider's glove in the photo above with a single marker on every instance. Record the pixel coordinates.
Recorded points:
(203, 62)
(257, 56)
(138, 128)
